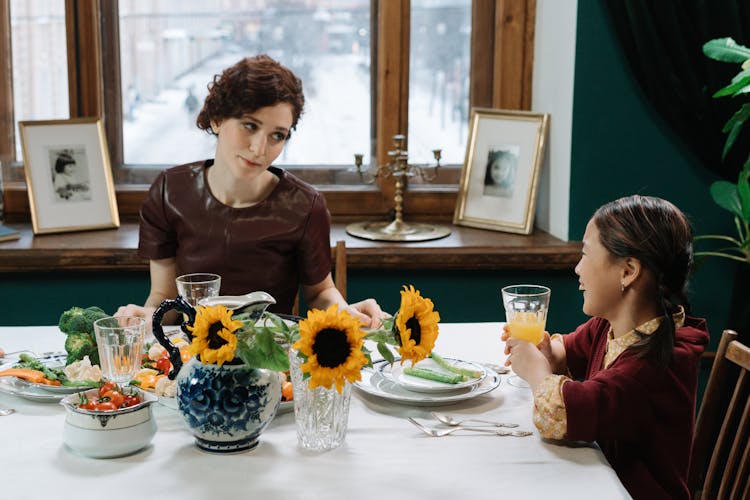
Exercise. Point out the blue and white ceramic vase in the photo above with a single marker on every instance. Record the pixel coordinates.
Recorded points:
(227, 407)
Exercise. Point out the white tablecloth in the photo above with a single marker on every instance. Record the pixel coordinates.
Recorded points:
(384, 456)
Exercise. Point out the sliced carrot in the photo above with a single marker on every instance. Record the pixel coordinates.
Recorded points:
(33, 376)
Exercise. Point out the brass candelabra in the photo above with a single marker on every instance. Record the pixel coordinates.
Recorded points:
(400, 169)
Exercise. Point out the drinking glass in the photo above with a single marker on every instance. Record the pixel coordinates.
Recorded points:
(120, 341)
(526, 313)
(197, 286)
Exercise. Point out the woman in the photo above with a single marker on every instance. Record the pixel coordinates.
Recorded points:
(627, 378)
(257, 226)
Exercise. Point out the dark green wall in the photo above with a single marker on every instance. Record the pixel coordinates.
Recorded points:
(619, 147)
(36, 298)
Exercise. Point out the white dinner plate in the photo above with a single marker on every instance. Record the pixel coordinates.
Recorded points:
(376, 384)
(23, 387)
(418, 384)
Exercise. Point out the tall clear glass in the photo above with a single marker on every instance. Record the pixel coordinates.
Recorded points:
(526, 309)
(120, 341)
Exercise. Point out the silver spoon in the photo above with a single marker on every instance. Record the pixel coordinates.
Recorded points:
(444, 432)
(448, 420)
(6, 411)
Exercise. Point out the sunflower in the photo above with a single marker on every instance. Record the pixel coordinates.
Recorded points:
(416, 325)
(331, 340)
(213, 334)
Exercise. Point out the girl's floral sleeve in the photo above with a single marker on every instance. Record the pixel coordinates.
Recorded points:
(550, 416)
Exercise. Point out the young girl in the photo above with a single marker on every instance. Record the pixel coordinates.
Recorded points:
(626, 378)
(236, 215)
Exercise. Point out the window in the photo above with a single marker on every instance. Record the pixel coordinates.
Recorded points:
(40, 70)
(167, 58)
(130, 56)
(439, 62)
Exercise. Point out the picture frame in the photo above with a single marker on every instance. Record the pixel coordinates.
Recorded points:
(68, 175)
(500, 176)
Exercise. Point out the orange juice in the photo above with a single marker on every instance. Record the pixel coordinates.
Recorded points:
(527, 326)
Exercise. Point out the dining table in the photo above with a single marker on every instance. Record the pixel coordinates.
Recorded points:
(383, 456)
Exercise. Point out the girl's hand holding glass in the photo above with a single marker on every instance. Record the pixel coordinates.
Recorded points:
(528, 361)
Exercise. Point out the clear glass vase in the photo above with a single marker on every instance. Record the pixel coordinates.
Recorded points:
(322, 415)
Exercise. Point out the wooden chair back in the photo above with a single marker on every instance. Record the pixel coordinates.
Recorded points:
(720, 461)
(338, 257)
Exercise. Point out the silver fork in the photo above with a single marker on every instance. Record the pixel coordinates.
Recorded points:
(444, 432)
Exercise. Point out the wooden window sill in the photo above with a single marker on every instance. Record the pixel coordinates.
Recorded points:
(464, 249)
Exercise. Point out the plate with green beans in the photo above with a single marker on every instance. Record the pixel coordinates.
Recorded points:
(378, 381)
(436, 374)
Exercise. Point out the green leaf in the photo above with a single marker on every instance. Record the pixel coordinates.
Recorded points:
(385, 352)
(731, 138)
(726, 50)
(743, 191)
(740, 84)
(261, 351)
(368, 356)
(739, 116)
(726, 196)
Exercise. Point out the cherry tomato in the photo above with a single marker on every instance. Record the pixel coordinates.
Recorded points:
(115, 397)
(88, 405)
(130, 400)
(163, 365)
(106, 387)
(105, 406)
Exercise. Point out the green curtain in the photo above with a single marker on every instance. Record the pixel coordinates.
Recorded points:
(662, 41)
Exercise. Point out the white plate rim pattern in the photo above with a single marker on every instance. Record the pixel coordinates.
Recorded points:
(401, 395)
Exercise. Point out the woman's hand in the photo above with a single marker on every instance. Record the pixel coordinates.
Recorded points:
(137, 311)
(368, 311)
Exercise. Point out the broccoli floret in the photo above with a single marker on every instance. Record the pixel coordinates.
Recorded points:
(78, 319)
(80, 344)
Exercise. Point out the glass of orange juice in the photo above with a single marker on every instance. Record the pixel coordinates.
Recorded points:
(526, 313)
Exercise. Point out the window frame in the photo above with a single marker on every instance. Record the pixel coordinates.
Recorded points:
(502, 51)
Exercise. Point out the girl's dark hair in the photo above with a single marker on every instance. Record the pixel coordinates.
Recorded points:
(251, 84)
(659, 235)
(63, 159)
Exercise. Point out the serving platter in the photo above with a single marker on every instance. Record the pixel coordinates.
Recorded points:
(375, 383)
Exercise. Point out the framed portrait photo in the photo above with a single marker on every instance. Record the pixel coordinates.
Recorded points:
(68, 175)
(500, 175)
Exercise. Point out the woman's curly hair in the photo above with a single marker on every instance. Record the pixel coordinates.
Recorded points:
(251, 84)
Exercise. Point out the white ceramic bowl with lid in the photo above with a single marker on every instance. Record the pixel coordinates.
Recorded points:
(108, 434)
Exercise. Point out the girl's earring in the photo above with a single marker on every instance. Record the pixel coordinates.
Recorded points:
(622, 287)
